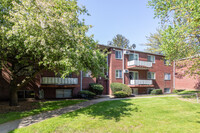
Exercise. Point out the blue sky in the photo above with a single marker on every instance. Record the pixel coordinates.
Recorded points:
(131, 18)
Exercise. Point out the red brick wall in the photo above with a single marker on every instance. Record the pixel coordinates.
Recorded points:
(158, 67)
(183, 81)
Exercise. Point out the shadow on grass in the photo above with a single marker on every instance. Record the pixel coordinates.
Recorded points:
(107, 110)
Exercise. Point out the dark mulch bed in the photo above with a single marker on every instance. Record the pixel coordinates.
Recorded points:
(23, 106)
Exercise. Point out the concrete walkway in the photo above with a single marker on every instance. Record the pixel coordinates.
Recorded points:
(9, 126)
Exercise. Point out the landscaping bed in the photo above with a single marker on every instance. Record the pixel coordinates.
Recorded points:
(27, 108)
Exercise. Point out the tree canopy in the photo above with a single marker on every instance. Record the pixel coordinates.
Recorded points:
(154, 43)
(45, 34)
(180, 20)
(119, 41)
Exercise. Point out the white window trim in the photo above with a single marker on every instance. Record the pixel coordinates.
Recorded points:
(154, 75)
(169, 74)
(118, 74)
(154, 58)
(121, 54)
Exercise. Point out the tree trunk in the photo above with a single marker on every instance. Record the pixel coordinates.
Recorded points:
(13, 93)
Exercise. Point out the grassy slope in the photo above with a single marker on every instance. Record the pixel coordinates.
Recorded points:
(137, 115)
(43, 106)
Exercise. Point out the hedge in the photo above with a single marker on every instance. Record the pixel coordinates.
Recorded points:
(121, 87)
(87, 94)
(96, 88)
(156, 92)
(120, 94)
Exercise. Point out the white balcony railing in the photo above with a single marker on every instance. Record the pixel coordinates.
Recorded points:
(141, 82)
(139, 63)
(59, 81)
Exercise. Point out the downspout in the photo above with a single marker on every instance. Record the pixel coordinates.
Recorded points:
(81, 86)
(174, 74)
(123, 64)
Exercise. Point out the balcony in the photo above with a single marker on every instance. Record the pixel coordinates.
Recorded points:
(59, 81)
(138, 64)
(141, 83)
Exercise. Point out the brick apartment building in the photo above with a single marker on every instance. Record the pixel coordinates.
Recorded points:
(183, 81)
(141, 71)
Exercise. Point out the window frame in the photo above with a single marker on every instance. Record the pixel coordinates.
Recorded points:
(151, 77)
(133, 56)
(117, 71)
(116, 54)
(169, 76)
(169, 90)
(152, 56)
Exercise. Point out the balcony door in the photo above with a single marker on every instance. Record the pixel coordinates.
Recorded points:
(133, 56)
(133, 75)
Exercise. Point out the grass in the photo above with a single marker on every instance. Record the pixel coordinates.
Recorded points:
(157, 114)
(42, 107)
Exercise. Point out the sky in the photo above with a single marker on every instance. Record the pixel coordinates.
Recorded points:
(131, 18)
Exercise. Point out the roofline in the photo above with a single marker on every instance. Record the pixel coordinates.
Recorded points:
(109, 46)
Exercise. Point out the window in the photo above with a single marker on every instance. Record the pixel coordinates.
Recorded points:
(151, 58)
(118, 74)
(25, 94)
(118, 54)
(133, 56)
(133, 75)
(63, 93)
(87, 74)
(167, 76)
(151, 75)
(166, 90)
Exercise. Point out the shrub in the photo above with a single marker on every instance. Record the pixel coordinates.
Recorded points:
(188, 92)
(120, 94)
(87, 94)
(121, 87)
(177, 91)
(156, 92)
(96, 88)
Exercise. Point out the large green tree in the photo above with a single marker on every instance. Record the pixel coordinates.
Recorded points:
(154, 43)
(119, 41)
(45, 34)
(180, 36)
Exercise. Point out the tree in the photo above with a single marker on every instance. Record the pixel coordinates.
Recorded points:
(180, 20)
(154, 43)
(40, 34)
(119, 41)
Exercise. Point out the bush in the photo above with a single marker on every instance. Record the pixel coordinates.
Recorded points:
(177, 91)
(96, 88)
(121, 87)
(188, 92)
(120, 94)
(156, 92)
(87, 94)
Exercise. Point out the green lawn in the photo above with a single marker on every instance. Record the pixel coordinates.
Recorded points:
(147, 115)
(42, 107)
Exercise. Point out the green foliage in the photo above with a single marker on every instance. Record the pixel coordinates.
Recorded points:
(177, 91)
(120, 94)
(40, 34)
(121, 87)
(119, 41)
(156, 92)
(188, 92)
(96, 88)
(180, 33)
(42, 107)
(87, 94)
(154, 43)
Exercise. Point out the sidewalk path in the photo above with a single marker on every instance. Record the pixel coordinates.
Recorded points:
(9, 126)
